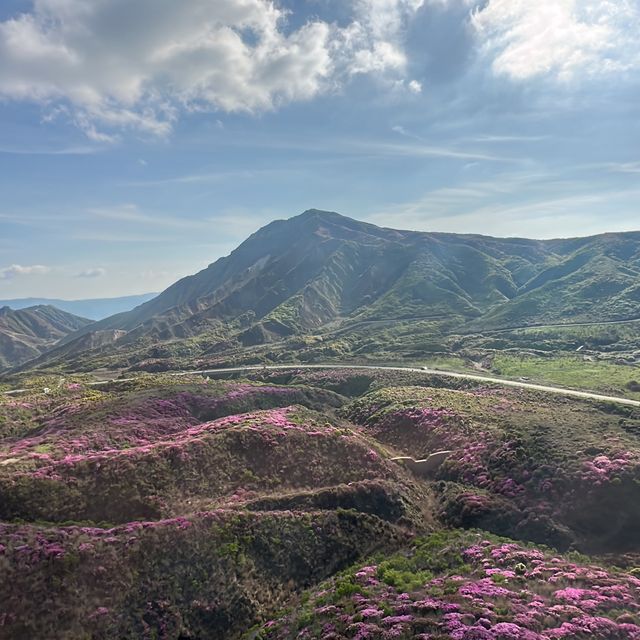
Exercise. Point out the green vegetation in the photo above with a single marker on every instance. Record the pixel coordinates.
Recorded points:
(572, 371)
(468, 586)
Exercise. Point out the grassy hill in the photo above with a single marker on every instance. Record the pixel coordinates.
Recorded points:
(467, 586)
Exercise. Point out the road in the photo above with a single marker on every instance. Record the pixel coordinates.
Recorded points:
(560, 325)
(342, 327)
(434, 372)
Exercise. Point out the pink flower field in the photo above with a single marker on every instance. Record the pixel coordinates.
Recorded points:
(249, 510)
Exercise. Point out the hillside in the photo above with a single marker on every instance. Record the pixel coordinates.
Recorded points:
(153, 501)
(197, 508)
(321, 271)
(26, 333)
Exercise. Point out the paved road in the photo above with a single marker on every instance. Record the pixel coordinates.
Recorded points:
(342, 328)
(435, 372)
(560, 325)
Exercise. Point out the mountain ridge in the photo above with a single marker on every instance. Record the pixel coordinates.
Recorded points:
(297, 276)
(92, 308)
(27, 333)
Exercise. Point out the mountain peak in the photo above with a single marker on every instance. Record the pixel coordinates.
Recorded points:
(341, 225)
(299, 274)
(285, 232)
(322, 214)
(314, 217)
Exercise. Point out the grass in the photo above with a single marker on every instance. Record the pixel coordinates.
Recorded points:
(571, 371)
(445, 363)
(622, 339)
(598, 334)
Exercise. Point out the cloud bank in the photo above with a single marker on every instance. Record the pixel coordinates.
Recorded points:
(17, 270)
(564, 39)
(115, 65)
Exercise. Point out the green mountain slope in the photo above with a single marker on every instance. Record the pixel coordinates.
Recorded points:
(319, 269)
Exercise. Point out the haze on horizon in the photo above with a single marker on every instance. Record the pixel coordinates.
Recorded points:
(140, 140)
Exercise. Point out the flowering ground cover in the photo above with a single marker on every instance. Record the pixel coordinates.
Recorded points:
(166, 471)
(168, 508)
(209, 575)
(562, 472)
(84, 420)
(467, 586)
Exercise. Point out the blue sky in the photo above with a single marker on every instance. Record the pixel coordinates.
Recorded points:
(140, 140)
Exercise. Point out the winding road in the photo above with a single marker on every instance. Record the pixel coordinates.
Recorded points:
(434, 372)
(574, 393)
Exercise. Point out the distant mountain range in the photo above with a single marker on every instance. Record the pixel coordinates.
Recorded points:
(26, 333)
(96, 309)
(320, 269)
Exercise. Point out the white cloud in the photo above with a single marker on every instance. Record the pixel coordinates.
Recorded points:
(374, 41)
(63, 151)
(537, 204)
(559, 38)
(17, 270)
(94, 272)
(112, 65)
(131, 214)
(385, 19)
(625, 167)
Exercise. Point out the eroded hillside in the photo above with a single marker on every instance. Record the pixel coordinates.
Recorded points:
(26, 333)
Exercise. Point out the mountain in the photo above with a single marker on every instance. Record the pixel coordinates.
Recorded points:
(26, 333)
(321, 270)
(94, 309)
